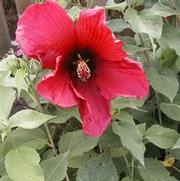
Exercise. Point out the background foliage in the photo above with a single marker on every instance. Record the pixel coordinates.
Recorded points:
(42, 142)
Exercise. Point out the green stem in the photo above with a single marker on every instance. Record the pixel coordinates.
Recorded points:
(132, 169)
(79, 4)
(146, 53)
(48, 133)
(90, 4)
(177, 169)
(158, 108)
(129, 3)
(127, 165)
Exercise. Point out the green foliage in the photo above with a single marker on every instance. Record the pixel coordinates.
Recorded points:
(76, 143)
(163, 81)
(35, 138)
(23, 164)
(162, 137)
(142, 134)
(171, 110)
(142, 23)
(55, 168)
(161, 9)
(28, 119)
(7, 97)
(98, 169)
(154, 170)
(130, 136)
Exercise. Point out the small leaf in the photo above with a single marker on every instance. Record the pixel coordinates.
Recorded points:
(122, 103)
(154, 171)
(160, 9)
(74, 12)
(28, 119)
(35, 138)
(141, 23)
(77, 162)
(98, 169)
(117, 25)
(7, 97)
(177, 145)
(161, 136)
(163, 81)
(20, 80)
(115, 6)
(62, 115)
(55, 168)
(23, 164)
(171, 110)
(170, 37)
(130, 136)
(77, 143)
(133, 49)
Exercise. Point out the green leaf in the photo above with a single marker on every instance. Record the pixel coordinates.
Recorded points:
(74, 12)
(155, 171)
(133, 49)
(122, 103)
(98, 169)
(115, 6)
(118, 152)
(126, 179)
(55, 168)
(171, 110)
(28, 119)
(62, 115)
(163, 81)
(77, 162)
(177, 145)
(7, 97)
(170, 38)
(20, 80)
(77, 143)
(141, 23)
(5, 178)
(63, 2)
(136, 3)
(130, 136)
(35, 138)
(161, 136)
(23, 164)
(160, 9)
(168, 57)
(117, 25)
(4, 66)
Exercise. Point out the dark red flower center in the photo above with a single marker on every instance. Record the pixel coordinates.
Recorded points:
(81, 65)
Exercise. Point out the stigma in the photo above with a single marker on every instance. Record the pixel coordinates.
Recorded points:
(82, 70)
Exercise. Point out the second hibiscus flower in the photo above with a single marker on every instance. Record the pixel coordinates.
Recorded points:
(89, 67)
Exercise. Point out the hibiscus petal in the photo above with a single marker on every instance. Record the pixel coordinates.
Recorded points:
(122, 78)
(93, 34)
(93, 108)
(57, 88)
(45, 31)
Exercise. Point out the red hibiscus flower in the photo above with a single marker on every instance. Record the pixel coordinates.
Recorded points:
(89, 67)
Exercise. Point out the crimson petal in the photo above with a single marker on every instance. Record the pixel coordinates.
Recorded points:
(93, 34)
(45, 31)
(94, 109)
(122, 78)
(57, 88)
